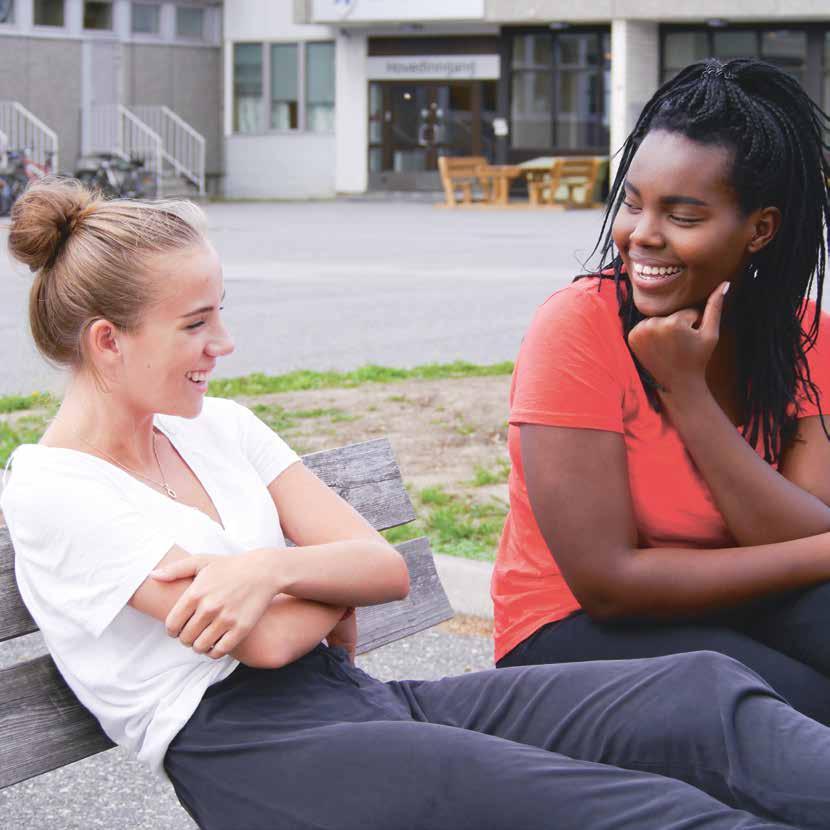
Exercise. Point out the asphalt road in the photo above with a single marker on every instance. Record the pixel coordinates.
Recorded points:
(336, 285)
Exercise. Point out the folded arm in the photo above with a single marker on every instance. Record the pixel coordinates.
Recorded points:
(577, 482)
(273, 632)
(759, 504)
(277, 603)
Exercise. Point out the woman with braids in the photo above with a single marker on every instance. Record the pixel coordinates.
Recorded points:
(670, 488)
(148, 531)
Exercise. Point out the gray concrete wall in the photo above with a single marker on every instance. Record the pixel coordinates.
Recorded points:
(188, 81)
(45, 77)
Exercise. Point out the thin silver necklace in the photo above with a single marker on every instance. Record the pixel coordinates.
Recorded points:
(162, 485)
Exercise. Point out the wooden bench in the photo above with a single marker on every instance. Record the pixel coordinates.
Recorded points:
(42, 724)
(558, 181)
(460, 173)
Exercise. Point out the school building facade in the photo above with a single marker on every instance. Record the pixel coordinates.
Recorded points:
(310, 98)
(114, 76)
(345, 96)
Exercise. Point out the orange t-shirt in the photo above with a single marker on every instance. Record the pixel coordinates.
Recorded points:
(574, 370)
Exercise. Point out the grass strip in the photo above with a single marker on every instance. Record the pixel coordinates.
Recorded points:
(301, 380)
(20, 403)
(456, 524)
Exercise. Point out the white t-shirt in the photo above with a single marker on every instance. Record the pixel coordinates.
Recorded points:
(86, 534)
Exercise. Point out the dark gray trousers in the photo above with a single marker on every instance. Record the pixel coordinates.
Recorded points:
(680, 742)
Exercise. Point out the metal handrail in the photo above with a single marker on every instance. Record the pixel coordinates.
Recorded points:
(24, 130)
(114, 129)
(4, 147)
(182, 146)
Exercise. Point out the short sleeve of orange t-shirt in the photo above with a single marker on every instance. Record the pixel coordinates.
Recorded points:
(569, 372)
(574, 369)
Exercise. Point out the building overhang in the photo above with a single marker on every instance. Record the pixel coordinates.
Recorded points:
(362, 13)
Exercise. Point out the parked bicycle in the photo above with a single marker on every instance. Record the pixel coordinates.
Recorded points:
(20, 170)
(117, 177)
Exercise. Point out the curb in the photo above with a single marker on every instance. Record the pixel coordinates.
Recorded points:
(467, 583)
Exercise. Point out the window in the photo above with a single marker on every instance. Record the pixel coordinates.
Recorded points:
(6, 11)
(97, 15)
(284, 104)
(560, 91)
(48, 13)
(146, 19)
(532, 86)
(319, 84)
(247, 87)
(286, 86)
(682, 48)
(735, 44)
(190, 22)
(582, 77)
(786, 48)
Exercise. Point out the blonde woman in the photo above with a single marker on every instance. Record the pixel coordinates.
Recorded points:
(148, 525)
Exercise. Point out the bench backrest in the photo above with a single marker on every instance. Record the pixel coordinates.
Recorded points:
(450, 166)
(42, 724)
(578, 166)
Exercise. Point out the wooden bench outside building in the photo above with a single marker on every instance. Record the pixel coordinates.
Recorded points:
(42, 724)
(552, 181)
(572, 182)
(460, 174)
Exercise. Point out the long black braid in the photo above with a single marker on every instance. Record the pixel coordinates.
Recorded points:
(776, 136)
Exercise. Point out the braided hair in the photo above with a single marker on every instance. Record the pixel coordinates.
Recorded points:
(775, 135)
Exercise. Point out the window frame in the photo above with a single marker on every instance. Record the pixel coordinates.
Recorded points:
(304, 89)
(302, 103)
(814, 32)
(46, 27)
(269, 93)
(203, 37)
(13, 24)
(262, 110)
(155, 36)
(555, 70)
(99, 32)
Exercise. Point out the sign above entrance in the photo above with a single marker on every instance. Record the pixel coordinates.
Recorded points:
(433, 68)
(353, 11)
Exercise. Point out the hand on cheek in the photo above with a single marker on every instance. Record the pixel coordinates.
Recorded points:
(676, 349)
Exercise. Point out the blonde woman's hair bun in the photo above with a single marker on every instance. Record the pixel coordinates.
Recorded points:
(94, 259)
(45, 217)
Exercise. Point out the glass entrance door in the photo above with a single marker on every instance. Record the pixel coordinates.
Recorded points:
(412, 124)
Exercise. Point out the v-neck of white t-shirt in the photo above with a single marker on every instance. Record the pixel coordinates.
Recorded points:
(187, 455)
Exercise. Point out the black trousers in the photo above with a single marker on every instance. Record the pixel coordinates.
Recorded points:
(785, 640)
(688, 741)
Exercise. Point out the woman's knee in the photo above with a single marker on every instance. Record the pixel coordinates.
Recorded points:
(704, 696)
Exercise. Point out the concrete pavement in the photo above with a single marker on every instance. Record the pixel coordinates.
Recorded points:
(336, 285)
(467, 583)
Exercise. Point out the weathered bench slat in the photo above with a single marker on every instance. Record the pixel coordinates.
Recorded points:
(42, 725)
(15, 620)
(426, 605)
(366, 475)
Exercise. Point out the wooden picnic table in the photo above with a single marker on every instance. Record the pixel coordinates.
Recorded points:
(501, 176)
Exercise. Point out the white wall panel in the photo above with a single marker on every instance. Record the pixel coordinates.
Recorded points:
(279, 166)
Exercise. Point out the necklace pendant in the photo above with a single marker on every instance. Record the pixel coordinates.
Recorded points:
(170, 492)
